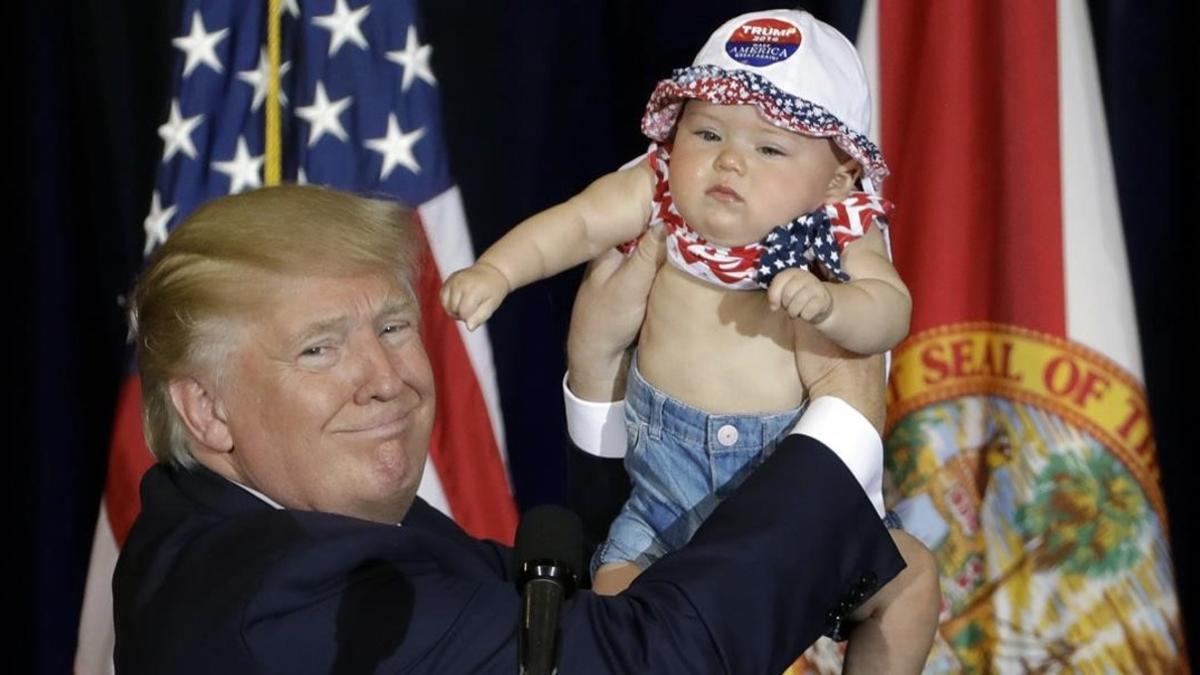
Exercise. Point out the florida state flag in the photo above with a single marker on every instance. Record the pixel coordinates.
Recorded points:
(1019, 440)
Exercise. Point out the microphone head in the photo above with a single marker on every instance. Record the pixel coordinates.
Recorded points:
(548, 537)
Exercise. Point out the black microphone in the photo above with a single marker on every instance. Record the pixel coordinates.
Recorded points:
(549, 555)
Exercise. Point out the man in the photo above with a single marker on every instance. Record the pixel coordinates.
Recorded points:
(289, 403)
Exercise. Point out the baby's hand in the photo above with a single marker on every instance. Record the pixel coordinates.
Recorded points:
(473, 293)
(801, 295)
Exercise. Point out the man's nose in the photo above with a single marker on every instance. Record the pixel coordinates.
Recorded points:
(380, 379)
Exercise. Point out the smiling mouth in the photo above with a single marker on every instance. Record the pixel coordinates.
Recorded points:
(723, 193)
(387, 427)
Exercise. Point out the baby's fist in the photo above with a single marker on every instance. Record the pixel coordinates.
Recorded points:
(801, 295)
(473, 293)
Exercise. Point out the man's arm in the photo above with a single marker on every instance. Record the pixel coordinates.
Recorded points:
(607, 316)
(796, 546)
(782, 561)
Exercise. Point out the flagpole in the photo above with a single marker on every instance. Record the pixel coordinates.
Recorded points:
(273, 168)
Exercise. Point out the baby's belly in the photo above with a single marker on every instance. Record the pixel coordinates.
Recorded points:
(719, 350)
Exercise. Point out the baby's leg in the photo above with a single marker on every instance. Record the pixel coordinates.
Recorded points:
(896, 625)
(614, 577)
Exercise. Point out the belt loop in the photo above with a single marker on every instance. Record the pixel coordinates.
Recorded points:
(712, 428)
(657, 401)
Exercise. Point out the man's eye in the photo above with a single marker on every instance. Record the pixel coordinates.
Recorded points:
(314, 351)
(394, 328)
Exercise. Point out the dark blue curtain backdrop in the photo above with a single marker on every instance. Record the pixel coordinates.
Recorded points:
(541, 97)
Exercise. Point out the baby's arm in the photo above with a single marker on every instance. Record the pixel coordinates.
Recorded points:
(867, 315)
(613, 209)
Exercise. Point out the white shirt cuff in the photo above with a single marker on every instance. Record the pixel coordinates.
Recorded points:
(844, 430)
(595, 428)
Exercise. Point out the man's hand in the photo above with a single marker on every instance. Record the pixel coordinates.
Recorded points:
(801, 295)
(473, 293)
(608, 313)
(828, 370)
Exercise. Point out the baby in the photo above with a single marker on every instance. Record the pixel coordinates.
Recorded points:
(758, 149)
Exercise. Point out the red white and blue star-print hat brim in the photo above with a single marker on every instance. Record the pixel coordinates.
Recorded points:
(740, 87)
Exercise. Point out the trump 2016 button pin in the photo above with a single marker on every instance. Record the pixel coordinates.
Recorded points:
(761, 42)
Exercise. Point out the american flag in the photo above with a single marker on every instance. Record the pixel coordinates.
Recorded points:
(360, 112)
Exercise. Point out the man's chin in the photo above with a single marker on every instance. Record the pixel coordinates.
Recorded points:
(388, 509)
(397, 487)
(385, 485)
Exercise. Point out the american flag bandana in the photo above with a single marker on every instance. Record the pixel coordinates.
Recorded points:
(818, 236)
(821, 236)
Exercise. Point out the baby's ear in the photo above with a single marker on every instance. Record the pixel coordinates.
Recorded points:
(845, 177)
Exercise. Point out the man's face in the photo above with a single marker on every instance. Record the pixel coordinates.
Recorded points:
(329, 397)
(735, 176)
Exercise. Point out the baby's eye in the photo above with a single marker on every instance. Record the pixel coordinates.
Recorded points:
(706, 135)
(769, 151)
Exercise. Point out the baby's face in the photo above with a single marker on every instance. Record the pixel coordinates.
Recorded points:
(734, 176)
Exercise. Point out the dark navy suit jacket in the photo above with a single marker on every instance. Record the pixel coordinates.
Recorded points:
(213, 580)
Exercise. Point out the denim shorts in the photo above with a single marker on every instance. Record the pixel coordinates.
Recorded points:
(681, 462)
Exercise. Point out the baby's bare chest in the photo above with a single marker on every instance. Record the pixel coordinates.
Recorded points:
(720, 350)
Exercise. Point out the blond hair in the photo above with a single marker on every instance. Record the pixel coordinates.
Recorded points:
(216, 268)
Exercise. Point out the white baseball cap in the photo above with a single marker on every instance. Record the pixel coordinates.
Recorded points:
(801, 74)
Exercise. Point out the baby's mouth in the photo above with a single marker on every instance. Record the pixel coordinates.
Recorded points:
(723, 193)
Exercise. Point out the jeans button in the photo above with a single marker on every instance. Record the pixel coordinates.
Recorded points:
(727, 435)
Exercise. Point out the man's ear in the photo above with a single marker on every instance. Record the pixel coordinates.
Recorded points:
(202, 413)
